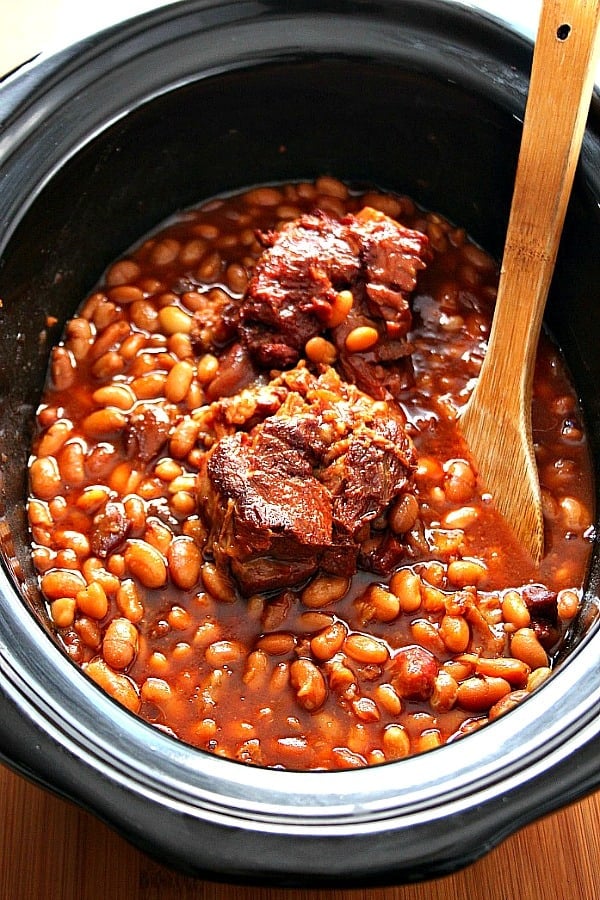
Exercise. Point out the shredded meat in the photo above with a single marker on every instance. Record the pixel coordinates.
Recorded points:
(214, 324)
(148, 430)
(292, 293)
(110, 528)
(304, 486)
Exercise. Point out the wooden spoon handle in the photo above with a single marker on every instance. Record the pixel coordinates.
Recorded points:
(496, 422)
(562, 80)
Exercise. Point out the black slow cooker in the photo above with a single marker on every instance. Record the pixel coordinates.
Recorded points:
(101, 142)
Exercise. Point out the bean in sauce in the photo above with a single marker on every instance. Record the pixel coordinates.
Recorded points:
(333, 670)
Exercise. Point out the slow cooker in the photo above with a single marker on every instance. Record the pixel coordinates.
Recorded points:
(103, 140)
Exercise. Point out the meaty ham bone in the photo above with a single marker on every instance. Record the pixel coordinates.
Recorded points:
(305, 487)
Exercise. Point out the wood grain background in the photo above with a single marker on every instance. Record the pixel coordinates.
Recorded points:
(50, 849)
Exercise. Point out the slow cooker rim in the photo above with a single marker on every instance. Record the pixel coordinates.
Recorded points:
(96, 46)
(26, 685)
(29, 95)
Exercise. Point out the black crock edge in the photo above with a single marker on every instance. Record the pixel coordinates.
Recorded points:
(73, 56)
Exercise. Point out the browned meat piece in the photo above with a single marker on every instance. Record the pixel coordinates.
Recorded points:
(365, 478)
(215, 319)
(413, 672)
(542, 604)
(292, 294)
(109, 529)
(392, 257)
(148, 430)
(541, 601)
(303, 488)
(294, 285)
(273, 516)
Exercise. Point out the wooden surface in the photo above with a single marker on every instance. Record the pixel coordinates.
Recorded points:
(52, 850)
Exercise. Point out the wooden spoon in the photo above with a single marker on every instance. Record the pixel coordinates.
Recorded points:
(496, 421)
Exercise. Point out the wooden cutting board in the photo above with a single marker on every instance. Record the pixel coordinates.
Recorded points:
(51, 850)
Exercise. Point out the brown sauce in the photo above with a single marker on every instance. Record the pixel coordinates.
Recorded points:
(446, 632)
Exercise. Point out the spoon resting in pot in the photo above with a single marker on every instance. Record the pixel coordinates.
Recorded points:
(496, 422)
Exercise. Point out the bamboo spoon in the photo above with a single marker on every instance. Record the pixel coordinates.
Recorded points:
(496, 422)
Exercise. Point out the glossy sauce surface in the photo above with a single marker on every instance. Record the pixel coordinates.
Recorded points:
(336, 672)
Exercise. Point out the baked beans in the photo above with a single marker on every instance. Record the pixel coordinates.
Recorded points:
(337, 671)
